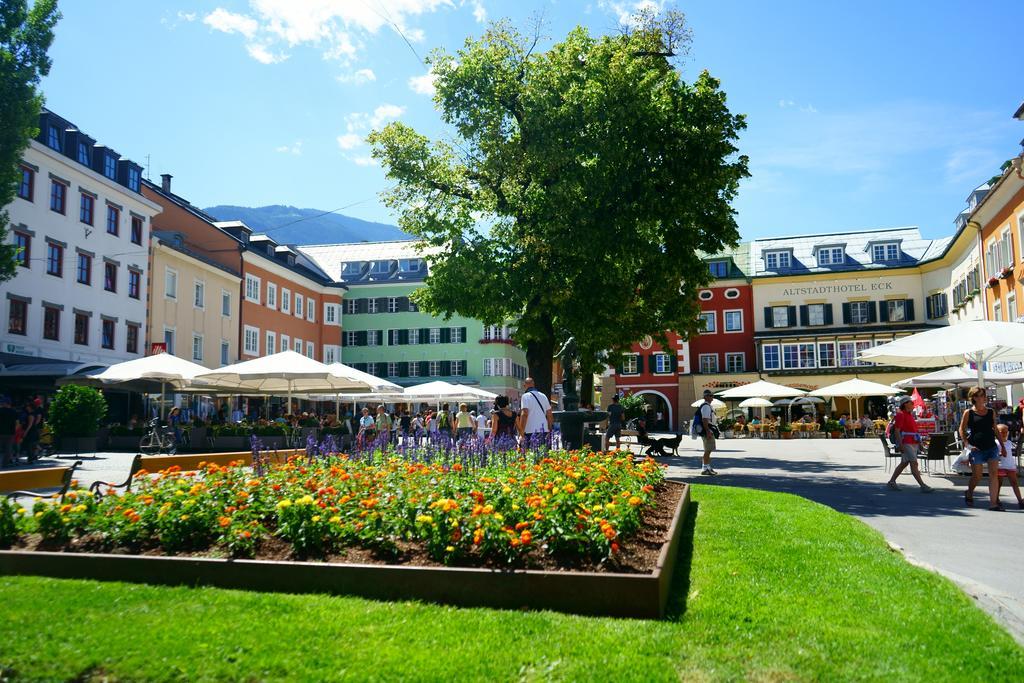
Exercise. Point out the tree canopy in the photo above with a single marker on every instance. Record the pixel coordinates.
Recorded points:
(25, 36)
(576, 188)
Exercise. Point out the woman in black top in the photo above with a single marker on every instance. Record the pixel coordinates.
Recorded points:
(503, 419)
(978, 431)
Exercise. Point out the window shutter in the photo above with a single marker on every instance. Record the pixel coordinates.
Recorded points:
(804, 318)
(463, 336)
(909, 307)
(929, 308)
(403, 337)
(360, 366)
(382, 304)
(403, 304)
(883, 311)
(446, 335)
(424, 368)
(446, 368)
(362, 305)
(618, 369)
(792, 315)
(361, 338)
(872, 312)
(403, 369)
(769, 321)
(424, 335)
(846, 314)
(673, 362)
(391, 337)
(344, 339)
(828, 314)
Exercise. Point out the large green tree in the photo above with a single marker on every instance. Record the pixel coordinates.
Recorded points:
(25, 36)
(576, 187)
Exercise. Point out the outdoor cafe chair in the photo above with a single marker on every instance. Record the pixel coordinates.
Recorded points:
(938, 449)
(888, 453)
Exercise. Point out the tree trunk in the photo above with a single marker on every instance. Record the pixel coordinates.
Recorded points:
(586, 388)
(539, 357)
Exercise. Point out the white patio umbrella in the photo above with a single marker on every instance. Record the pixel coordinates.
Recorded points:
(855, 388)
(975, 341)
(761, 389)
(483, 394)
(956, 377)
(439, 391)
(161, 367)
(380, 387)
(756, 402)
(715, 404)
(287, 371)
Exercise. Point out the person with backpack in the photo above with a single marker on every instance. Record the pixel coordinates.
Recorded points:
(535, 416)
(705, 425)
(443, 420)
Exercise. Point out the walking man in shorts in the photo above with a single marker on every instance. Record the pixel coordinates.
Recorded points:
(615, 414)
(709, 423)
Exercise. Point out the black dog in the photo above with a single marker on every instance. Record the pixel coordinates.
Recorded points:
(656, 447)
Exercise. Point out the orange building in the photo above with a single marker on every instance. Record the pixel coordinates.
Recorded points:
(1000, 217)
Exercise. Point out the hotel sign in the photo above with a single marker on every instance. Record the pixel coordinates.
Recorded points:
(852, 288)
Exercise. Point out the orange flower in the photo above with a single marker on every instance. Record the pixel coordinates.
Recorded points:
(224, 521)
(457, 467)
(245, 534)
(634, 501)
(525, 537)
(478, 536)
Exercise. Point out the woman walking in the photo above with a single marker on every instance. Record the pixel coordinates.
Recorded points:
(908, 444)
(978, 431)
(503, 420)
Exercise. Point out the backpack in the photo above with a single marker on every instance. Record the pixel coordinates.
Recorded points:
(697, 423)
(890, 431)
(442, 420)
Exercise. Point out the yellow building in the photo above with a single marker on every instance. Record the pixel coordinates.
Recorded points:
(193, 304)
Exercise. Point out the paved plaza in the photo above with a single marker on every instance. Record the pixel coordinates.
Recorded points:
(978, 549)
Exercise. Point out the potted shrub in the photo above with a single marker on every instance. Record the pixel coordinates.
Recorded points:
(75, 415)
(198, 432)
(124, 439)
(786, 430)
(834, 429)
(727, 427)
(231, 437)
(272, 435)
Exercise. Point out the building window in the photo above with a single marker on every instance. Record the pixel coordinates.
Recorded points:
(413, 307)
(708, 363)
(435, 335)
(17, 318)
(310, 310)
(51, 323)
(705, 295)
(414, 369)
(798, 356)
(434, 368)
(718, 269)
(134, 179)
(84, 272)
(458, 368)
(107, 333)
(297, 345)
(199, 294)
(225, 353)
(707, 322)
(392, 304)
(110, 277)
(134, 284)
(252, 289)
(1011, 307)
(110, 166)
(831, 256)
(54, 259)
(351, 339)
(170, 284)
(414, 335)
(330, 314)
(350, 306)
(733, 321)
(997, 311)
(272, 343)
(82, 329)
(371, 305)
(826, 355)
(310, 350)
(113, 220)
(371, 368)
(271, 295)
(374, 337)
(770, 357)
(860, 312)
(662, 364)
(83, 154)
(251, 341)
(132, 339)
(936, 306)
(780, 316)
(23, 244)
(392, 369)
(456, 335)
(285, 343)
(169, 340)
(330, 354)
(410, 265)
(53, 138)
(380, 268)
(286, 300)
(298, 305)
(885, 253)
(848, 352)
(815, 314)
(631, 364)
(735, 362)
(26, 182)
(86, 208)
(136, 230)
(897, 311)
(58, 197)
(225, 303)
(197, 348)
(732, 293)
(776, 260)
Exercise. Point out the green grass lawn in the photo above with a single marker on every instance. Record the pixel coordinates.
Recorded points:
(777, 588)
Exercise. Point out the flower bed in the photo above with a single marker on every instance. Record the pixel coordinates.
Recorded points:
(545, 509)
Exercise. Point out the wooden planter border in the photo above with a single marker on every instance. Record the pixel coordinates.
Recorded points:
(641, 596)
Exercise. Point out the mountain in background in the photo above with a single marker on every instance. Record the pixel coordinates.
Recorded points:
(288, 225)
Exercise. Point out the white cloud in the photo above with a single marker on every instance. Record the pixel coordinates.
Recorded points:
(358, 77)
(350, 140)
(423, 85)
(363, 161)
(479, 12)
(335, 27)
(264, 56)
(228, 22)
(187, 16)
(295, 148)
(625, 12)
(784, 104)
(385, 113)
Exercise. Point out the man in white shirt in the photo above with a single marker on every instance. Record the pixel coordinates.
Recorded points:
(483, 424)
(535, 415)
(708, 421)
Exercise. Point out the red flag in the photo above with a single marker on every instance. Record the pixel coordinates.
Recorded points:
(918, 401)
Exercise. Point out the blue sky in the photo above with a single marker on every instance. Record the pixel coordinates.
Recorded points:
(861, 115)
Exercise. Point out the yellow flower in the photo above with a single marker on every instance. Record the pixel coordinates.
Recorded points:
(305, 500)
(506, 489)
(425, 519)
(610, 506)
(515, 506)
(450, 549)
(316, 518)
(569, 488)
(79, 508)
(498, 516)
(179, 492)
(598, 507)
(21, 511)
(283, 504)
(335, 519)
(184, 518)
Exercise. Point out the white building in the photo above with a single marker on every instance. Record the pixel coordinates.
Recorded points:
(79, 294)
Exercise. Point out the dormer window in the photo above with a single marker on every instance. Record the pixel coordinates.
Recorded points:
(777, 260)
(83, 154)
(885, 252)
(351, 269)
(831, 256)
(719, 268)
(380, 268)
(110, 167)
(134, 179)
(410, 265)
(53, 138)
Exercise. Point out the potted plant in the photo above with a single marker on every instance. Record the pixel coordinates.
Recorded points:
(124, 439)
(231, 437)
(272, 435)
(75, 416)
(1006, 272)
(786, 430)
(834, 429)
(728, 427)
(198, 432)
(992, 282)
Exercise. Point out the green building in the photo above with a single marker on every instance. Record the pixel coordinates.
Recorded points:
(383, 332)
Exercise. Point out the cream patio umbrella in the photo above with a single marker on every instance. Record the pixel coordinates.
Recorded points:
(715, 404)
(761, 389)
(975, 341)
(440, 391)
(381, 389)
(164, 368)
(756, 402)
(855, 388)
(957, 377)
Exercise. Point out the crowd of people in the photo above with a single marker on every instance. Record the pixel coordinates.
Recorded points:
(21, 430)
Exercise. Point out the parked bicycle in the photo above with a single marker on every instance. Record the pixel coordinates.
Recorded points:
(158, 440)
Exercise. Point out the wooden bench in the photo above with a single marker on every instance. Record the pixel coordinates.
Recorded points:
(189, 463)
(28, 482)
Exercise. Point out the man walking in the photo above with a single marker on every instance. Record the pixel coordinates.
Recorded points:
(8, 425)
(615, 414)
(536, 416)
(708, 427)
(908, 444)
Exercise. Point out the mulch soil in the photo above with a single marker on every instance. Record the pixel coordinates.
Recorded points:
(638, 553)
